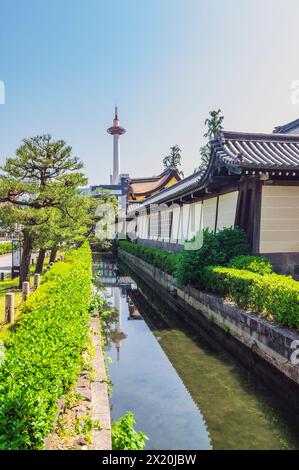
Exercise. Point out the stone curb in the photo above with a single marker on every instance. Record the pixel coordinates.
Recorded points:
(100, 409)
(94, 395)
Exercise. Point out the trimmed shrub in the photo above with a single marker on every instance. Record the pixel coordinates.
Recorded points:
(43, 357)
(5, 248)
(255, 264)
(159, 258)
(271, 294)
(217, 249)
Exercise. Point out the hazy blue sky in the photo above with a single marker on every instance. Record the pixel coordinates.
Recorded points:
(168, 62)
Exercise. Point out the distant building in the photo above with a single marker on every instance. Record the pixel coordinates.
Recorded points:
(85, 191)
(140, 189)
(119, 190)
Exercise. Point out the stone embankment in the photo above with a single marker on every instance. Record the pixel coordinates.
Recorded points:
(261, 345)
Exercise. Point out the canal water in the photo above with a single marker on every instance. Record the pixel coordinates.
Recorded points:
(184, 392)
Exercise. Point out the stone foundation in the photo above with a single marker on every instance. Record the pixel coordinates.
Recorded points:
(284, 263)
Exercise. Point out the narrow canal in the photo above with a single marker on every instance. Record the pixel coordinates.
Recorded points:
(185, 393)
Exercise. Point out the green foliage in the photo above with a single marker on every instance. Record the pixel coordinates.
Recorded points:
(124, 436)
(43, 356)
(255, 264)
(96, 303)
(271, 294)
(162, 259)
(248, 280)
(39, 189)
(217, 249)
(86, 425)
(214, 125)
(174, 159)
(5, 248)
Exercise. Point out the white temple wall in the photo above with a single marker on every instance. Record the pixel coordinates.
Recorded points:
(227, 207)
(176, 224)
(279, 229)
(209, 213)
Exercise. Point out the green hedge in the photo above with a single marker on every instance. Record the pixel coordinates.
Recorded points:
(5, 248)
(254, 288)
(43, 356)
(217, 249)
(187, 265)
(271, 294)
(255, 264)
(157, 257)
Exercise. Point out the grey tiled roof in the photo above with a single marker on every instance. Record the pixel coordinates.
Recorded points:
(287, 127)
(261, 151)
(238, 151)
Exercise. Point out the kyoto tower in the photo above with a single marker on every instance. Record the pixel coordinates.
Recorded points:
(116, 130)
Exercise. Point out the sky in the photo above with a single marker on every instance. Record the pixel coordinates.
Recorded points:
(64, 63)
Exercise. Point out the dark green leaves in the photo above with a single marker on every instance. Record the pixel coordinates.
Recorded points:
(217, 249)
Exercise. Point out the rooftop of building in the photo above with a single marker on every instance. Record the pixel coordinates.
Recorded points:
(286, 128)
(144, 187)
(236, 153)
(257, 150)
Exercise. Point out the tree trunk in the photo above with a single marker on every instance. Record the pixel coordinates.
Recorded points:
(26, 258)
(40, 261)
(53, 254)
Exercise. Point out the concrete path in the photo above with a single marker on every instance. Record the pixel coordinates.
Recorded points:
(6, 262)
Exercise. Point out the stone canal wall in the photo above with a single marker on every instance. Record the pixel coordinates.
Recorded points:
(261, 345)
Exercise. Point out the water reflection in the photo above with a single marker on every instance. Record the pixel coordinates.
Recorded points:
(143, 378)
(184, 393)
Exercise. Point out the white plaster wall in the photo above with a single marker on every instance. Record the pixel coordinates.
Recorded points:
(194, 219)
(175, 224)
(184, 219)
(279, 231)
(209, 213)
(227, 210)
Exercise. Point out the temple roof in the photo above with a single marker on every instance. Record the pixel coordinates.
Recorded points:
(182, 186)
(146, 186)
(286, 128)
(267, 151)
(237, 153)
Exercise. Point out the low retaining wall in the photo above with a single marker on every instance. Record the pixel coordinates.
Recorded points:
(284, 263)
(260, 345)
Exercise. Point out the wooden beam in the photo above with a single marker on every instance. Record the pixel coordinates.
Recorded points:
(257, 208)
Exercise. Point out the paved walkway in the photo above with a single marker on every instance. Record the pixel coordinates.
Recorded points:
(6, 262)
